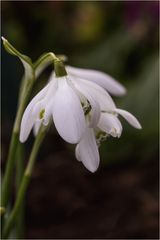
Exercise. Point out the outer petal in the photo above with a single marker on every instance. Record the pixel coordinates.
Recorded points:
(46, 103)
(96, 92)
(37, 108)
(67, 113)
(26, 124)
(28, 119)
(110, 124)
(87, 151)
(100, 78)
(129, 118)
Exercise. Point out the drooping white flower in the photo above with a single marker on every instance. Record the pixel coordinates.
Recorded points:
(108, 124)
(82, 110)
(57, 100)
(87, 149)
(66, 99)
(102, 79)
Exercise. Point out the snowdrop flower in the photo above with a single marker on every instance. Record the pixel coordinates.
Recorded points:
(109, 124)
(67, 100)
(82, 110)
(60, 101)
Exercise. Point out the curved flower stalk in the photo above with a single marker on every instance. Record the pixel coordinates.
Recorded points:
(45, 60)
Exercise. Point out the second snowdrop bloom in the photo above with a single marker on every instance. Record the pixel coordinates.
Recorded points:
(109, 111)
(87, 149)
(108, 124)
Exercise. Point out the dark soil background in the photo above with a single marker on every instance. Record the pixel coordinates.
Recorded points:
(65, 201)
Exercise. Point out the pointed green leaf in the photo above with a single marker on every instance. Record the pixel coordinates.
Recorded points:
(26, 61)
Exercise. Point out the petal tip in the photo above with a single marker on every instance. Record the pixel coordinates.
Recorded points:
(92, 169)
(22, 139)
(124, 91)
(121, 91)
(139, 126)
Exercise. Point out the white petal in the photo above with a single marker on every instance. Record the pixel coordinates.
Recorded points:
(53, 84)
(36, 127)
(129, 118)
(37, 108)
(67, 113)
(93, 102)
(49, 99)
(110, 124)
(46, 102)
(52, 77)
(98, 93)
(48, 113)
(28, 119)
(95, 112)
(77, 153)
(100, 78)
(87, 151)
(26, 124)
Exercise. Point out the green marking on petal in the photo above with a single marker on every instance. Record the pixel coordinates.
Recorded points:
(101, 137)
(86, 107)
(41, 114)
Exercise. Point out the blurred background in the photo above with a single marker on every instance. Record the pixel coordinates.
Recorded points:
(64, 200)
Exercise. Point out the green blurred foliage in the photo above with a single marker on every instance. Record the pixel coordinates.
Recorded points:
(120, 38)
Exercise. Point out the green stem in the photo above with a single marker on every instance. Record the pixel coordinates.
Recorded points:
(19, 175)
(25, 181)
(13, 145)
(8, 173)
